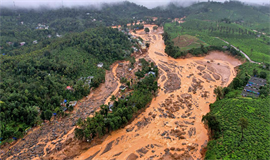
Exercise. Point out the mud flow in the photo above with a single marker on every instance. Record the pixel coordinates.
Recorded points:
(170, 128)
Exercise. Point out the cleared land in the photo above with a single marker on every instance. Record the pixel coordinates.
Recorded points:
(186, 42)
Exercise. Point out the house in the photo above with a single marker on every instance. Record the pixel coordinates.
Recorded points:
(100, 64)
(49, 36)
(140, 64)
(63, 104)
(110, 107)
(122, 87)
(120, 64)
(253, 86)
(87, 79)
(58, 35)
(151, 72)
(135, 49)
(69, 88)
(22, 43)
(35, 42)
(225, 47)
(64, 109)
(72, 103)
(42, 26)
(130, 69)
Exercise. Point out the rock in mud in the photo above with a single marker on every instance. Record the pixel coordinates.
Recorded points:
(192, 131)
(190, 123)
(132, 156)
(143, 123)
(217, 77)
(173, 83)
(166, 150)
(160, 54)
(91, 157)
(130, 129)
(211, 69)
(186, 96)
(142, 151)
(207, 77)
(117, 154)
(164, 133)
(200, 68)
(175, 156)
(163, 78)
(108, 147)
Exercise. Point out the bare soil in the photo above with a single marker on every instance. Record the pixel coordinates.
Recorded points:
(171, 127)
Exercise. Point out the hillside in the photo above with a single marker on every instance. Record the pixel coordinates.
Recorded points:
(234, 11)
(256, 47)
(45, 24)
(226, 114)
(38, 80)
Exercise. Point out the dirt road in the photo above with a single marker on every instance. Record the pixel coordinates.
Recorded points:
(238, 50)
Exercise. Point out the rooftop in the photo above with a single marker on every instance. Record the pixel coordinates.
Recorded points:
(253, 86)
(122, 87)
(256, 80)
(100, 64)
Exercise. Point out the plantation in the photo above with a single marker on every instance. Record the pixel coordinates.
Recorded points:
(186, 42)
(256, 47)
(234, 11)
(229, 139)
(255, 144)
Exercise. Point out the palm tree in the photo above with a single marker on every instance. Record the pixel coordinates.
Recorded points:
(113, 98)
(243, 123)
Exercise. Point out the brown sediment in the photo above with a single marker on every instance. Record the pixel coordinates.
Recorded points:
(171, 127)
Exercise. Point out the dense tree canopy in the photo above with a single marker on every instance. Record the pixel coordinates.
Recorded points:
(38, 80)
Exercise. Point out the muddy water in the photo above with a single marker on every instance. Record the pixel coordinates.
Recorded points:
(174, 110)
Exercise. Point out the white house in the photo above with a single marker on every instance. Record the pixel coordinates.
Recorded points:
(100, 64)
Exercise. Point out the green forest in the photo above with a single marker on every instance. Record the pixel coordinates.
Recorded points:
(36, 82)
